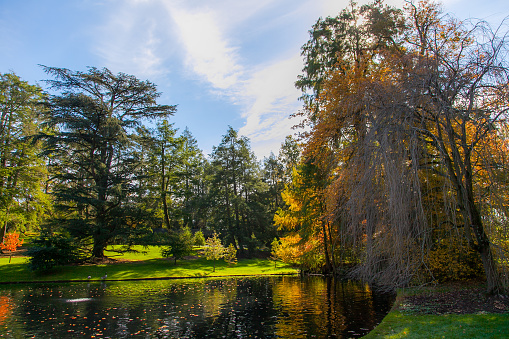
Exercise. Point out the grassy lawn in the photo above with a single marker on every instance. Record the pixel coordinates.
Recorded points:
(403, 324)
(399, 325)
(149, 265)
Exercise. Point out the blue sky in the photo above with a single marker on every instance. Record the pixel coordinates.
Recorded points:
(223, 62)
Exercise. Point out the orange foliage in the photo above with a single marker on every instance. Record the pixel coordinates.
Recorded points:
(11, 242)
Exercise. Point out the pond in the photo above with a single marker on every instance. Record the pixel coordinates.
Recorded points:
(261, 307)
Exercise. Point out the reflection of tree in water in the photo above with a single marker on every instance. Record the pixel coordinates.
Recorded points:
(238, 307)
(5, 308)
(326, 307)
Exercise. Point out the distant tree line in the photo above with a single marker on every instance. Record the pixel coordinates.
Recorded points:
(98, 163)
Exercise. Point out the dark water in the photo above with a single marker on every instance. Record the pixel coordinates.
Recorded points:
(269, 307)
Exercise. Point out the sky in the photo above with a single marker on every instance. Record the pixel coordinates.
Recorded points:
(223, 62)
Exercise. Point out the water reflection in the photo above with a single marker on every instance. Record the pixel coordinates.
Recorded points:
(269, 307)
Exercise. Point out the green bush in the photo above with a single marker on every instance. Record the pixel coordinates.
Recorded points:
(180, 244)
(50, 250)
(199, 239)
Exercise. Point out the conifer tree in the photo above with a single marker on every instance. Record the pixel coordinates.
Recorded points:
(94, 117)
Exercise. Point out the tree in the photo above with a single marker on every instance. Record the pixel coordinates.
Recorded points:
(403, 122)
(275, 248)
(23, 201)
(180, 244)
(192, 182)
(238, 193)
(230, 255)
(199, 239)
(459, 112)
(167, 149)
(305, 213)
(214, 250)
(94, 118)
(338, 43)
(10, 243)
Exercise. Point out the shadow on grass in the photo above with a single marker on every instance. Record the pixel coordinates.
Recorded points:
(156, 268)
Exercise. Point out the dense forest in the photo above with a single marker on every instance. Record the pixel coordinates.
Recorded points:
(398, 174)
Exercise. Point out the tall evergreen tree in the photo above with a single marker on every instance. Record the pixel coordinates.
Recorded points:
(194, 211)
(95, 116)
(22, 171)
(240, 211)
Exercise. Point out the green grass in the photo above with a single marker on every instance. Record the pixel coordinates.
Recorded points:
(147, 265)
(399, 325)
(406, 323)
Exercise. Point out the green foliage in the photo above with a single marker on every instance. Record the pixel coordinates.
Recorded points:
(180, 244)
(50, 250)
(199, 239)
(23, 202)
(214, 250)
(230, 255)
(95, 166)
(238, 194)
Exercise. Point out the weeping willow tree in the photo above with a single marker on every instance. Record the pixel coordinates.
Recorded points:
(415, 128)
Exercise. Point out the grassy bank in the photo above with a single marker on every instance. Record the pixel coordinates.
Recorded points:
(407, 320)
(399, 325)
(148, 265)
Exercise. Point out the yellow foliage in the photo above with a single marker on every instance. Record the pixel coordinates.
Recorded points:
(288, 251)
(452, 259)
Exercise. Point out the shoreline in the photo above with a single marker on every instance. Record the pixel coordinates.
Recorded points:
(143, 279)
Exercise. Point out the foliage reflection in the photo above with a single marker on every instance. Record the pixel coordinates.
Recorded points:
(283, 307)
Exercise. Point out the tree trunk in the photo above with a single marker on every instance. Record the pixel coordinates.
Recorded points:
(494, 283)
(326, 249)
(163, 187)
(98, 250)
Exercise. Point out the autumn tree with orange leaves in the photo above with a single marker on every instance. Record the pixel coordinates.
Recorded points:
(413, 106)
(10, 243)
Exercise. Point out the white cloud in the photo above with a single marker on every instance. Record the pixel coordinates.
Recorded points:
(131, 39)
(273, 98)
(208, 53)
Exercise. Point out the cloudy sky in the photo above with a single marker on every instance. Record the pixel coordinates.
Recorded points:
(223, 62)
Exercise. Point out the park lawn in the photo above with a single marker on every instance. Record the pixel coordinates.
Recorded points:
(147, 265)
(399, 325)
(403, 324)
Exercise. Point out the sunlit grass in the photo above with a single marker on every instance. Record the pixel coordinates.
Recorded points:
(148, 265)
(400, 325)
(406, 323)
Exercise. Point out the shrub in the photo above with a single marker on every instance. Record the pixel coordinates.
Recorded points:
(287, 250)
(452, 259)
(180, 244)
(230, 255)
(50, 250)
(199, 239)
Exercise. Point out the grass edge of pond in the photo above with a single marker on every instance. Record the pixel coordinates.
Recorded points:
(17, 272)
(400, 324)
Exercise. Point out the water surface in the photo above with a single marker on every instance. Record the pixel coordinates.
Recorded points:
(267, 307)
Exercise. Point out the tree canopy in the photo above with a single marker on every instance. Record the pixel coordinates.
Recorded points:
(414, 103)
(93, 120)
